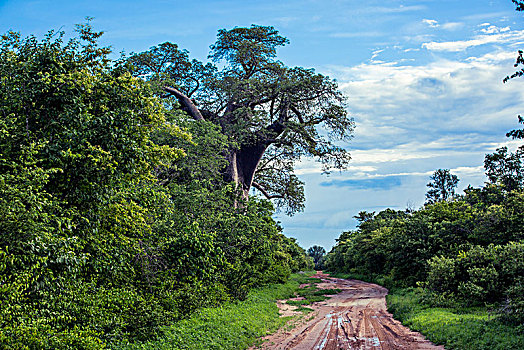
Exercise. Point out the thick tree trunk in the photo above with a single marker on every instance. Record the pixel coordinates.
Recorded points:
(242, 166)
(243, 162)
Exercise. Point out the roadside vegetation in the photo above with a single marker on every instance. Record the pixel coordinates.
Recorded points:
(458, 327)
(233, 325)
(454, 267)
(116, 219)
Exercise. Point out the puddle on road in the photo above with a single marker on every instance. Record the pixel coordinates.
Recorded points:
(374, 341)
(353, 302)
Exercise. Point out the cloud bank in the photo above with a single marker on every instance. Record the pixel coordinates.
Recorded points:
(418, 108)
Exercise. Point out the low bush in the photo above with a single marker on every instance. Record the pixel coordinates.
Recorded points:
(479, 275)
(455, 328)
(234, 325)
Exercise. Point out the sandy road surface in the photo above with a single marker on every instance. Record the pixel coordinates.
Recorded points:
(356, 318)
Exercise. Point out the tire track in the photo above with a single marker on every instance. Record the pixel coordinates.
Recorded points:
(356, 318)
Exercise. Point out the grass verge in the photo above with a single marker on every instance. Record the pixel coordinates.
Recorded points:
(382, 280)
(455, 328)
(312, 295)
(231, 326)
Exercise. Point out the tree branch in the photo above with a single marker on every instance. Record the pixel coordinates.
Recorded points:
(263, 100)
(314, 97)
(196, 87)
(283, 117)
(298, 114)
(278, 141)
(264, 192)
(186, 102)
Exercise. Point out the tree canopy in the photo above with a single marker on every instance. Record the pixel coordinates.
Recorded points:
(113, 219)
(442, 186)
(505, 168)
(317, 253)
(273, 115)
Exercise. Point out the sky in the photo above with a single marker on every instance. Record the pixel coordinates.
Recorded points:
(423, 81)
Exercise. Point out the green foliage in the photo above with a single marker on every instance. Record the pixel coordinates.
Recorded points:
(517, 133)
(203, 160)
(464, 251)
(513, 309)
(442, 186)
(271, 114)
(455, 328)
(114, 220)
(481, 274)
(317, 253)
(505, 169)
(311, 294)
(231, 326)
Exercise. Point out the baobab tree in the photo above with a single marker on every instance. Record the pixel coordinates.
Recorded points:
(273, 115)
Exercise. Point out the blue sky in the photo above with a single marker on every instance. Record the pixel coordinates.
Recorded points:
(423, 80)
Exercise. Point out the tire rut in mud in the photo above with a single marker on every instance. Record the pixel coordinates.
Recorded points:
(355, 318)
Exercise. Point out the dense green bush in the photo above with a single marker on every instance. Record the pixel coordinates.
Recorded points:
(463, 250)
(481, 274)
(456, 327)
(233, 325)
(114, 221)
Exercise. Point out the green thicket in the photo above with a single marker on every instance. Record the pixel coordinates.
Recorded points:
(113, 218)
(467, 250)
(458, 327)
(234, 325)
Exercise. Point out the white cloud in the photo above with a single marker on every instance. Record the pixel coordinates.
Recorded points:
(308, 166)
(493, 57)
(412, 119)
(380, 155)
(460, 171)
(494, 29)
(446, 26)
(362, 168)
(452, 25)
(464, 170)
(499, 36)
(376, 53)
(485, 16)
(431, 22)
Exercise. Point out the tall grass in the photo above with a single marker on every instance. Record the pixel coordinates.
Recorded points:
(231, 326)
(455, 328)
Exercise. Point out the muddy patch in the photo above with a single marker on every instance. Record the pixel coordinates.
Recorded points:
(355, 318)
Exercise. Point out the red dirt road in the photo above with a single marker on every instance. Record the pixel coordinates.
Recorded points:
(356, 318)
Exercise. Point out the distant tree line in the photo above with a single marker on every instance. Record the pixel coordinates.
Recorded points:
(465, 249)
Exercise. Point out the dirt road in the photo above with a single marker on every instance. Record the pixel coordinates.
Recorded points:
(356, 318)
